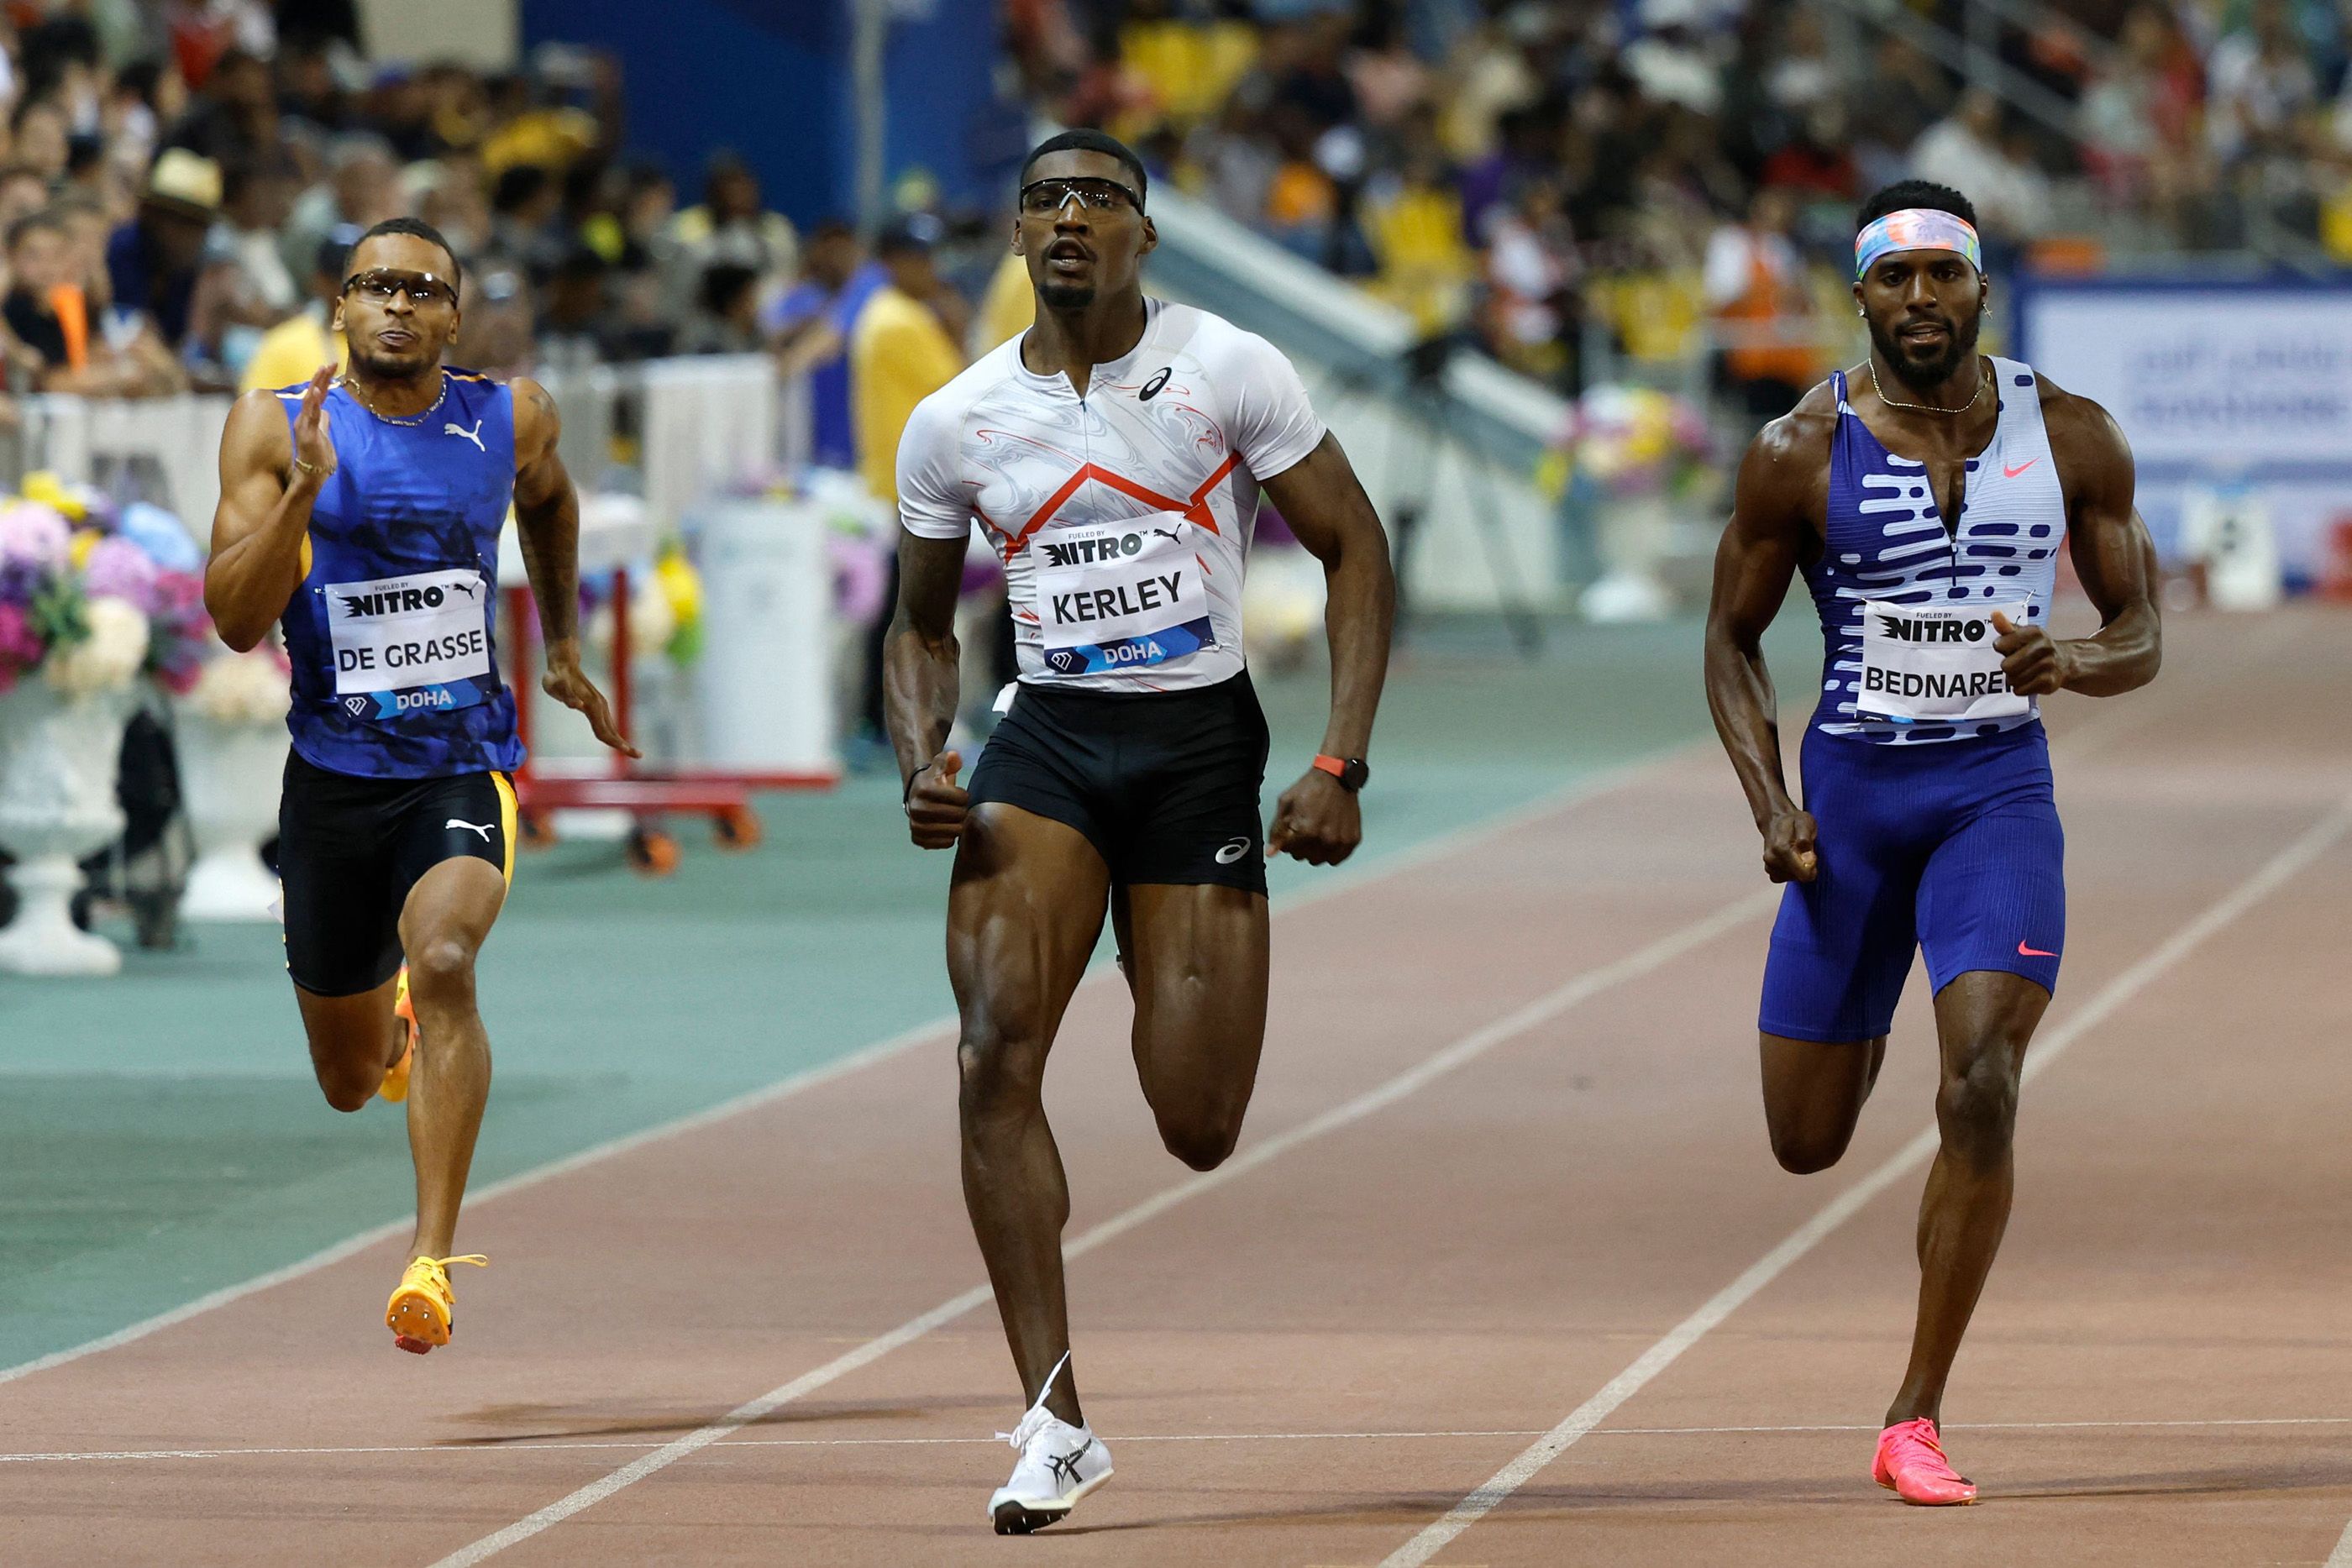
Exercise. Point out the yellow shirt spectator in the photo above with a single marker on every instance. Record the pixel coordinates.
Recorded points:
(1009, 307)
(899, 354)
(293, 350)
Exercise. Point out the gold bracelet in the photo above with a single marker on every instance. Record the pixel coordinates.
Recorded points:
(308, 467)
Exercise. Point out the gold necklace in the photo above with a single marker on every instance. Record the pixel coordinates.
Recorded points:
(413, 419)
(1928, 407)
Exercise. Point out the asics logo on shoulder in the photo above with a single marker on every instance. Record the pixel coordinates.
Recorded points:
(1151, 388)
(475, 435)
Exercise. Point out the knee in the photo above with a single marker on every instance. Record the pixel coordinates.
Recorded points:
(441, 972)
(1804, 1151)
(1000, 1076)
(1977, 1108)
(1204, 1141)
(345, 1093)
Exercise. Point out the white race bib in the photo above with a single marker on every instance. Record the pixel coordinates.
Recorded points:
(406, 644)
(1936, 663)
(1120, 596)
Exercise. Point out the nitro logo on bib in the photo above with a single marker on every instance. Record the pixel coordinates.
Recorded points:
(1910, 629)
(1090, 552)
(396, 601)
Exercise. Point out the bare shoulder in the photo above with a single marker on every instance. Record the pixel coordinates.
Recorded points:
(258, 430)
(2084, 436)
(1791, 454)
(537, 422)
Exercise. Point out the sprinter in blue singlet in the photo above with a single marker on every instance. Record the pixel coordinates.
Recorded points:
(1925, 495)
(364, 512)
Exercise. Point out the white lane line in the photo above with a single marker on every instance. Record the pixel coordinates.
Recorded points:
(1344, 880)
(1571, 993)
(538, 1446)
(2341, 1556)
(2272, 874)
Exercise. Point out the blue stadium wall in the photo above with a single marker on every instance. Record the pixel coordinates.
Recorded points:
(773, 79)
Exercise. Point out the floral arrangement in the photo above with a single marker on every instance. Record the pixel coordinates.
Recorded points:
(665, 608)
(250, 688)
(1633, 441)
(93, 595)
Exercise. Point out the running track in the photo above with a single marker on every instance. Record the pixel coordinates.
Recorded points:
(1504, 1228)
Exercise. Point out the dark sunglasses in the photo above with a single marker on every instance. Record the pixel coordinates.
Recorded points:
(422, 288)
(1040, 197)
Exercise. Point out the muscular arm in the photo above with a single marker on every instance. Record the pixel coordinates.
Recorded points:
(2113, 554)
(547, 526)
(1769, 532)
(920, 684)
(1326, 506)
(264, 514)
(547, 517)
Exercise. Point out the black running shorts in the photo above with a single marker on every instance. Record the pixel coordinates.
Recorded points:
(1163, 784)
(349, 849)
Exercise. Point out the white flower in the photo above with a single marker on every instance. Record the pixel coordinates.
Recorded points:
(109, 659)
(249, 688)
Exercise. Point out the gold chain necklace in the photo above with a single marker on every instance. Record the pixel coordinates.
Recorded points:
(412, 419)
(1927, 407)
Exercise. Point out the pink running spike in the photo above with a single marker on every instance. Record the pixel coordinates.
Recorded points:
(1911, 1464)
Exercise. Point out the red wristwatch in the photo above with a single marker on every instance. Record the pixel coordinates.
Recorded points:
(1352, 772)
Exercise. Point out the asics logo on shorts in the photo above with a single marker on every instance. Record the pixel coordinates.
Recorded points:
(1233, 851)
(483, 828)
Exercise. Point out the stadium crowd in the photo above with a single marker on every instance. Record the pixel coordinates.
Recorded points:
(1530, 171)
(179, 179)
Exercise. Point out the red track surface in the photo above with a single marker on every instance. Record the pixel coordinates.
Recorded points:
(1445, 1274)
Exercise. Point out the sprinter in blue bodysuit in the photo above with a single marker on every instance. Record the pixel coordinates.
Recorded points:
(363, 512)
(1925, 495)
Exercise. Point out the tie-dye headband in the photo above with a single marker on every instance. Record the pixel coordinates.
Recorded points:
(1916, 228)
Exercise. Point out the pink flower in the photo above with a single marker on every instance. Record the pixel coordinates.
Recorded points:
(121, 569)
(33, 534)
(19, 648)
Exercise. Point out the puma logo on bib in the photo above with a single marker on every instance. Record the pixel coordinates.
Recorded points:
(1936, 663)
(1120, 596)
(409, 645)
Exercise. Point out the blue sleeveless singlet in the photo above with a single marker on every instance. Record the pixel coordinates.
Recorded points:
(1886, 542)
(392, 633)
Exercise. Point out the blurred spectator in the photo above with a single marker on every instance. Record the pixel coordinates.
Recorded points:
(235, 118)
(2260, 85)
(1531, 274)
(361, 189)
(24, 190)
(257, 198)
(901, 347)
(809, 326)
(50, 313)
(1756, 293)
(293, 350)
(1008, 308)
(1969, 151)
(153, 259)
(522, 220)
(726, 318)
(38, 131)
(732, 226)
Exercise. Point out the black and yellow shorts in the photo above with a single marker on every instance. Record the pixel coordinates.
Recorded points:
(349, 851)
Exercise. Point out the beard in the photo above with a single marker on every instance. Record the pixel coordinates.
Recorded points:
(1067, 296)
(1921, 374)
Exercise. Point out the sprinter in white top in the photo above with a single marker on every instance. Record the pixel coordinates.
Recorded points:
(1113, 456)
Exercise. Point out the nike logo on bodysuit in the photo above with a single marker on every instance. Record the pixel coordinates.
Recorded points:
(2009, 473)
(474, 435)
(2025, 952)
(483, 829)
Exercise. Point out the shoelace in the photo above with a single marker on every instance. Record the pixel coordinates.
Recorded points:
(1034, 1419)
(1930, 1439)
(441, 1265)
